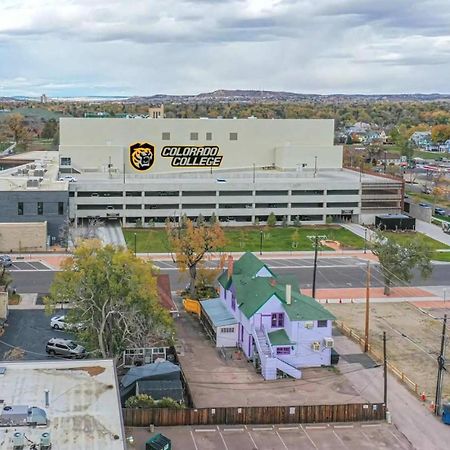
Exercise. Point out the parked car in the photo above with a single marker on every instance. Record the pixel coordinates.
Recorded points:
(5, 261)
(440, 211)
(65, 347)
(60, 323)
(68, 178)
(424, 205)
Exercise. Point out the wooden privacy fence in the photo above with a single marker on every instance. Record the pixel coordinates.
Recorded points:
(249, 415)
(397, 372)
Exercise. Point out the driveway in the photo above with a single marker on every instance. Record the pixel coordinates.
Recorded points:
(29, 330)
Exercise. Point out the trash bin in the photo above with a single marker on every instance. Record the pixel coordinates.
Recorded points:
(446, 414)
(158, 442)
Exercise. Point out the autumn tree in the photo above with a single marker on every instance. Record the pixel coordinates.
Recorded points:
(398, 261)
(440, 133)
(114, 295)
(16, 126)
(190, 244)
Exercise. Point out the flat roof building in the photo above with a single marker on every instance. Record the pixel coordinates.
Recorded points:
(83, 409)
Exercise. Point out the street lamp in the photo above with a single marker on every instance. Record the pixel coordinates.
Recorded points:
(260, 241)
(365, 240)
(134, 244)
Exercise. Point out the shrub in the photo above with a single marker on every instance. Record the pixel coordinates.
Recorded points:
(140, 401)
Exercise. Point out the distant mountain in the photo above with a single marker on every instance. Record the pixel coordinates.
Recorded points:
(249, 96)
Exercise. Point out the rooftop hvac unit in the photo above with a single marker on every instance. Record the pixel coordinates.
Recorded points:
(45, 442)
(315, 346)
(38, 173)
(328, 342)
(309, 325)
(18, 440)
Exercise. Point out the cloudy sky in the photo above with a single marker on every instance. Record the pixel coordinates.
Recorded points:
(144, 47)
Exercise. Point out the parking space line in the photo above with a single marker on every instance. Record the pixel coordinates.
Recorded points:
(367, 425)
(205, 430)
(233, 429)
(263, 429)
(308, 436)
(287, 428)
(223, 440)
(193, 440)
(315, 427)
(339, 439)
(396, 437)
(251, 438)
(281, 439)
(343, 426)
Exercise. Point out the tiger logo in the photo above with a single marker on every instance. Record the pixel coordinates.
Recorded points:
(142, 156)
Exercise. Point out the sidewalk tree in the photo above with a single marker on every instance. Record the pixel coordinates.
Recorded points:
(398, 261)
(114, 295)
(190, 244)
(271, 220)
(15, 124)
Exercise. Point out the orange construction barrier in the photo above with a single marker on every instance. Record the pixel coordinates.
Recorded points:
(423, 397)
(432, 407)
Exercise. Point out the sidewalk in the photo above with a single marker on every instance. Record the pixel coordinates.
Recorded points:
(433, 231)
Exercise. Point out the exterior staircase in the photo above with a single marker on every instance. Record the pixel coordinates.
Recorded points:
(269, 362)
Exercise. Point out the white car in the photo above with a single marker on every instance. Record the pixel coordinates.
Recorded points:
(59, 323)
(68, 178)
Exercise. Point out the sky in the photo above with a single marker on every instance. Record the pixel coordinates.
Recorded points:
(146, 47)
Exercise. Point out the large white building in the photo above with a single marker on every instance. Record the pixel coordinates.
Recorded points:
(143, 171)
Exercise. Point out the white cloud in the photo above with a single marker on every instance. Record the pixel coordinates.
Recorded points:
(189, 46)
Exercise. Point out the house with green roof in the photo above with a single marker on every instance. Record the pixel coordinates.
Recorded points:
(276, 325)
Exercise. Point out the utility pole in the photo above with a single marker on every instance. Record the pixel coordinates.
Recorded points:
(385, 369)
(441, 368)
(366, 329)
(254, 173)
(260, 241)
(316, 240)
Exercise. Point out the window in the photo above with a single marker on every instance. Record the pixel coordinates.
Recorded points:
(165, 136)
(283, 350)
(194, 136)
(277, 320)
(60, 208)
(227, 330)
(233, 136)
(209, 136)
(66, 161)
(40, 208)
(343, 192)
(20, 209)
(322, 323)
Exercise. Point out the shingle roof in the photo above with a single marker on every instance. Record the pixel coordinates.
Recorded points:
(279, 337)
(253, 292)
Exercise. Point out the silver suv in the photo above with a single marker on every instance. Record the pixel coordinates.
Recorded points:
(65, 347)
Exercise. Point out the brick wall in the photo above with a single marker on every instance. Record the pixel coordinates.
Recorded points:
(23, 237)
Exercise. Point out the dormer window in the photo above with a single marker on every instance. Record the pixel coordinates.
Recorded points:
(277, 320)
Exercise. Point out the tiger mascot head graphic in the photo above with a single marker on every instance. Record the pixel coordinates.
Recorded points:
(142, 156)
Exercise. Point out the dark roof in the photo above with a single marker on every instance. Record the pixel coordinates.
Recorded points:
(158, 389)
(164, 370)
(165, 294)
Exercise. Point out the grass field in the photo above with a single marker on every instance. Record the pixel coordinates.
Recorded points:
(428, 198)
(405, 238)
(248, 239)
(4, 145)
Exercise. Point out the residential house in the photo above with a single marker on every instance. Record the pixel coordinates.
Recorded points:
(421, 138)
(274, 323)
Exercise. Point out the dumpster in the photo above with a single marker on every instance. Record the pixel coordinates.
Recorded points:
(446, 414)
(158, 442)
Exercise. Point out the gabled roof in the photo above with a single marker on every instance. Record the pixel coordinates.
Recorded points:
(253, 292)
(248, 264)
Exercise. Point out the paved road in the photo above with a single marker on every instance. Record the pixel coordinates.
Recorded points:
(332, 272)
(29, 330)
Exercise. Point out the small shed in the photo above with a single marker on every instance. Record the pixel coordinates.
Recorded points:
(220, 325)
(158, 389)
(394, 222)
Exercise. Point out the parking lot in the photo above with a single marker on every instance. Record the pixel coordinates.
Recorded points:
(29, 330)
(292, 263)
(29, 266)
(312, 436)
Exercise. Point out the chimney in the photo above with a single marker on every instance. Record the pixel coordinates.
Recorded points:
(288, 294)
(230, 266)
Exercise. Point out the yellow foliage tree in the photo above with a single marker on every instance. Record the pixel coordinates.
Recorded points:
(190, 244)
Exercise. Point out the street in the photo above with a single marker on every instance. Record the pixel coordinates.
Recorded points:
(332, 272)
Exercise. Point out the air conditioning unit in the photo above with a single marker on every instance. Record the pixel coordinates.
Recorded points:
(18, 440)
(309, 325)
(315, 346)
(328, 342)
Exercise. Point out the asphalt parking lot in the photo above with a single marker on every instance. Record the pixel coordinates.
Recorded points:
(293, 263)
(28, 266)
(29, 330)
(352, 436)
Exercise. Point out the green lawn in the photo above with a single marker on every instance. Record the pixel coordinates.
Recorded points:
(404, 238)
(428, 198)
(4, 145)
(248, 239)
